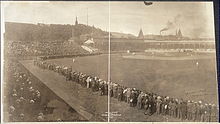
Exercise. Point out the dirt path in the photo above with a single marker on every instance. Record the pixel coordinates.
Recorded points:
(144, 57)
(84, 101)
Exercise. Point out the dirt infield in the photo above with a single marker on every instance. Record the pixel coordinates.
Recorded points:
(144, 57)
(169, 55)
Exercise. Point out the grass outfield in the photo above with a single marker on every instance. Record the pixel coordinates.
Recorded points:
(175, 78)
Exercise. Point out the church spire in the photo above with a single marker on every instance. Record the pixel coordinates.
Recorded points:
(76, 22)
(140, 35)
(179, 33)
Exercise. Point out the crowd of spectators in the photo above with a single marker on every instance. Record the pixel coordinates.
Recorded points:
(25, 99)
(45, 48)
(22, 96)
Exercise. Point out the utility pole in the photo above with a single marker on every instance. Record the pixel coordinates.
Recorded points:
(87, 18)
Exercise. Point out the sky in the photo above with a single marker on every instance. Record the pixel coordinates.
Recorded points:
(195, 19)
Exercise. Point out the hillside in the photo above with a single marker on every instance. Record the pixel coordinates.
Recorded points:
(47, 32)
(121, 35)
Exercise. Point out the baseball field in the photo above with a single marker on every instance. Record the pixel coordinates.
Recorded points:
(191, 77)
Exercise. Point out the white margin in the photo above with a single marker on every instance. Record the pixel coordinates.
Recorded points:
(2, 57)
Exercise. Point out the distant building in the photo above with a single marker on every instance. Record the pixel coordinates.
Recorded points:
(140, 35)
(76, 21)
(89, 41)
(179, 35)
(74, 33)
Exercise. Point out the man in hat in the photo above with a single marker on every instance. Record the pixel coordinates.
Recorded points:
(206, 113)
(40, 117)
(132, 98)
(115, 89)
(158, 105)
(184, 110)
(179, 109)
(150, 103)
(128, 95)
(21, 117)
(201, 111)
(102, 88)
(88, 82)
(143, 100)
(176, 109)
(120, 93)
(111, 89)
(193, 110)
(135, 96)
(125, 94)
(96, 86)
(93, 84)
(105, 88)
(172, 108)
(139, 100)
(84, 77)
(214, 113)
(189, 110)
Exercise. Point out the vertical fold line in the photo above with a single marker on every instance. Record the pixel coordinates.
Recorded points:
(109, 62)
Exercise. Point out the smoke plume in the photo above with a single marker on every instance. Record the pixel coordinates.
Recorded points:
(172, 24)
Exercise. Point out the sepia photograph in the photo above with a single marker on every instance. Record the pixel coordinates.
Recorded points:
(108, 61)
(163, 62)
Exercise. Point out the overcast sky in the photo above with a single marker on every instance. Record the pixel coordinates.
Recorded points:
(193, 18)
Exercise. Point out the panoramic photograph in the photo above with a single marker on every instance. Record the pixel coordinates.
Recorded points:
(109, 61)
(163, 62)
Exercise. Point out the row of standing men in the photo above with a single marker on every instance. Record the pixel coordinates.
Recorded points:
(151, 102)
